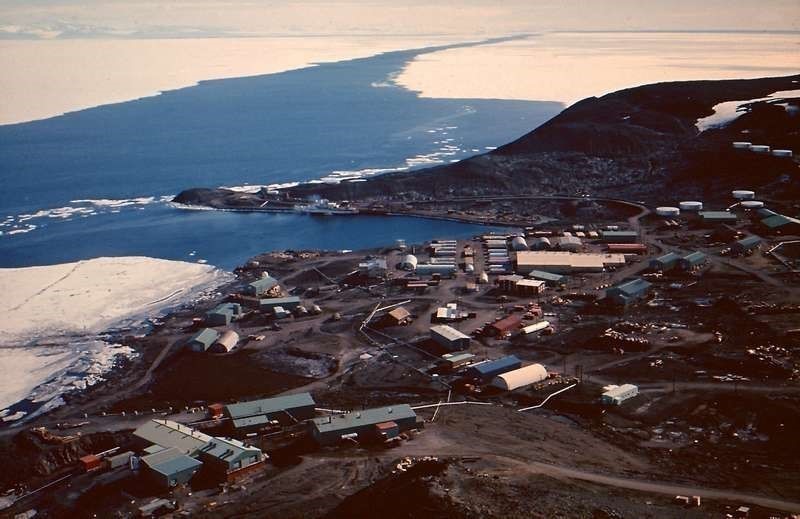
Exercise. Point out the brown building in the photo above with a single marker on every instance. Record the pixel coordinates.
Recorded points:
(505, 326)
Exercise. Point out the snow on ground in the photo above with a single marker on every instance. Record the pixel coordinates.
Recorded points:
(568, 67)
(53, 314)
(727, 112)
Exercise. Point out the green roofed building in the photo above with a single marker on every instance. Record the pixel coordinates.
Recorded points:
(550, 278)
(781, 224)
(619, 236)
(693, 261)
(261, 286)
(287, 303)
(628, 292)
(255, 414)
(170, 467)
(717, 217)
(223, 314)
(366, 425)
(665, 262)
(202, 340)
(746, 244)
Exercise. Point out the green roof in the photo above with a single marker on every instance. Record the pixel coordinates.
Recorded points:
(267, 406)
(363, 418)
(546, 276)
(632, 288)
(717, 215)
(750, 241)
(779, 220)
(695, 258)
(263, 285)
(227, 309)
(206, 337)
(170, 462)
(667, 259)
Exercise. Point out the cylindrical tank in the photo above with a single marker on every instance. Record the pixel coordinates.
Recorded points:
(743, 194)
(759, 148)
(669, 212)
(470, 268)
(741, 145)
(409, 262)
(691, 205)
(483, 278)
(782, 153)
(752, 204)
(519, 243)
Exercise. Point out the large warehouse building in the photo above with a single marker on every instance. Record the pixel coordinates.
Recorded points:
(566, 262)
(487, 370)
(254, 414)
(450, 338)
(522, 377)
(369, 424)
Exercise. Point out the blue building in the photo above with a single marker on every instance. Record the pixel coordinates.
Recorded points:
(628, 292)
(487, 370)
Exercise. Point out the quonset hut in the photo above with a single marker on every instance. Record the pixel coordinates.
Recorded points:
(522, 377)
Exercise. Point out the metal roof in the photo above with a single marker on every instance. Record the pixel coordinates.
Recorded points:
(511, 380)
(367, 417)
(172, 434)
(668, 258)
(618, 233)
(632, 288)
(779, 220)
(546, 276)
(226, 309)
(170, 462)
(750, 241)
(229, 450)
(448, 332)
(266, 406)
(717, 215)
(497, 366)
(457, 357)
(694, 258)
(206, 336)
(279, 301)
(264, 284)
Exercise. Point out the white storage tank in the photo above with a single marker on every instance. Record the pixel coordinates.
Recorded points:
(409, 262)
(759, 148)
(752, 204)
(691, 205)
(782, 153)
(743, 194)
(540, 244)
(669, 212)
(483, 278)
(740, 145)
(519, 243)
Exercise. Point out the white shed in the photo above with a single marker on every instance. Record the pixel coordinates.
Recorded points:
(521, 377)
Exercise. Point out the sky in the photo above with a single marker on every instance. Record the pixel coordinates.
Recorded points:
(182, 18)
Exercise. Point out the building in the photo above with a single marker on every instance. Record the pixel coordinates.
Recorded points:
(628, 292)
(693, 261)
(450, 338)
(449, 313)
(255, 414)
(518, 378)
(225, 343)
(170, 467)
(202, 340)
(746, 244)
(619, 236)
(717, 217)
(542, 243)
(627, 248)
(765, 213)
(429, 269)
(261, 286)
(781, 224)
(505, 326)
(397, 317)
(487, 370)
(90, 463)
(566, 262)
(229, 459)
(286, 303)
(530, 287)
(615, 395)
(453, 361)
(519, 243)
(568, 243)
(549, 278)
(508, 283)
(223, 314)
(374, 268)
(365, 425)
(665, 262)
(168, 434)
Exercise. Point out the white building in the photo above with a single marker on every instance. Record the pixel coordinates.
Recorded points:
(615, 395)
(511, 380)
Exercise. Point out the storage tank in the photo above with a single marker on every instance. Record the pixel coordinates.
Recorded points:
(752, 204)
(519, 243)
(511, 380)
(669, 212)
(741, 145)
(690, 205)
(759, 148)
(483, 278)
(409, 262)
(782, 153)
(743, 194)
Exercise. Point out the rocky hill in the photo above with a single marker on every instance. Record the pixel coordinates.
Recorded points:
(635, 143)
